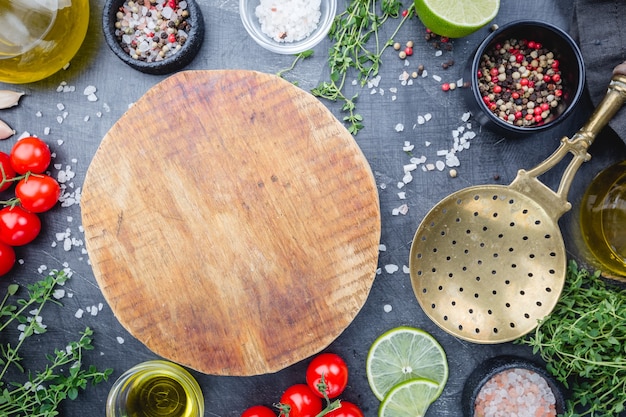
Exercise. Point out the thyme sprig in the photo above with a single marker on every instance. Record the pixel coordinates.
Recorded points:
(357, 46)
(44, 390)
(583, 343)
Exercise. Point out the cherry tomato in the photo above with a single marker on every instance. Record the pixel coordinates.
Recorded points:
(7, 171)
(18, 226)
(7, 258)
(302, 401)
(38, 193)
(30, 154)
(335, 372)
(347, 409)
(258, 411)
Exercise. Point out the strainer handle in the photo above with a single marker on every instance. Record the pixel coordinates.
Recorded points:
(556, 202)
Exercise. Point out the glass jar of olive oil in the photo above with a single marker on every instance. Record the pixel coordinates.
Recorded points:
(39, 37)
(155, 388)
(603, 220)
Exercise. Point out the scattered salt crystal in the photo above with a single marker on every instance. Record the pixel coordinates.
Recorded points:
(92, 97)
(427, 143)
(90, 89)
(399, 127)
(409, 167)
(436, 78)
(59, 119)
(38, 114)
(58, 294)
(391, 268)
(60, 106)
(406, 269)
(428, 116)
(86, 118)
(60, 142)
(439, 52)
(407, 178)
(403, 209)
(120, 340)
(430, 167)
(66, 66)
(401, 184)
(79, 313)
(466, 116)
(382, 247)
(387, 308)
(440, 165)
(421, 120)
(46, 131)
(402, 195)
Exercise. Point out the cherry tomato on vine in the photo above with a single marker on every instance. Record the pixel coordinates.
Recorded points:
(347, 409)
(258, 411)
(335, 372)
(18, 226)
(38, 193)
(7, 171)
(302, 401)
(7, 258)
(30, 154)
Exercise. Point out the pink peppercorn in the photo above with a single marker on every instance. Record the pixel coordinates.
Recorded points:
(545, 106)
(538, 118)
(497, 89)
(171, 38)
(556, 78)
(519, 58)
(494, 72)
(408, 51)
(405, 13)
(445, 86)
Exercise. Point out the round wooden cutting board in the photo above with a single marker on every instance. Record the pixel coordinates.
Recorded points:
(232, 222)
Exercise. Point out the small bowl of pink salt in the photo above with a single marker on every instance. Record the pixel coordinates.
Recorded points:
(512, 386)
(153, 36)
(287, 26)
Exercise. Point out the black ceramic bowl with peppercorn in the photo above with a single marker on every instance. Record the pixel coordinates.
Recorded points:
(153, 36)
(525, 77)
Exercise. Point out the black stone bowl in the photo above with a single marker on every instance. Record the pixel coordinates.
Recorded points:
(491, 367)
(571, 65)
(168, 65)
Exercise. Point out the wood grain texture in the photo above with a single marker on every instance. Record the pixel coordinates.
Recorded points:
(232, 222)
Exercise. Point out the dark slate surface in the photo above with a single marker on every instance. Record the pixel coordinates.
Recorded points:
(490, 159)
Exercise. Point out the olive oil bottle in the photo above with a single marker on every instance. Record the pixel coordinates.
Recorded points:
(155, 389)
(603, 220)
(39, 37)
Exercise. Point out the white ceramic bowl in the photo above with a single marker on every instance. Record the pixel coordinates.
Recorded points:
(328, 9)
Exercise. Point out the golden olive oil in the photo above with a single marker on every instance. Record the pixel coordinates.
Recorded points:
(155, 389)
(603, 219)
(157, 395)
(38, 38)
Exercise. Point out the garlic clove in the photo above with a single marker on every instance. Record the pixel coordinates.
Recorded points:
(9, 98)
(5, 131)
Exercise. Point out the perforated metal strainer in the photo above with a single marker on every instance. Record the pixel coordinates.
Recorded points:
(488, 262)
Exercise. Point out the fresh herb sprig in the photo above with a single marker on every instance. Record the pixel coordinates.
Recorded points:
(44, 390)
(582, 342)
(356, 45)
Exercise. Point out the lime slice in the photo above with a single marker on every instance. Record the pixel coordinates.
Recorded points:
(456, 18)
(409, 399)
(402, 354)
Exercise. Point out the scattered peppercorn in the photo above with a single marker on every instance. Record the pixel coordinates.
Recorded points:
(520, 82)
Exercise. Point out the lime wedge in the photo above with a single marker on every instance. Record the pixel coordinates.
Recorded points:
(456, 18)
(402, 354)
(409, 399)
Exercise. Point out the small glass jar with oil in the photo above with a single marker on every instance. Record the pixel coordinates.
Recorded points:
(39, 37)
(155, 388)
(603, 220)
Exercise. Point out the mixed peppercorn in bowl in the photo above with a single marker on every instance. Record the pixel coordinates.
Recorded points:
(525, 77)
(153, 36)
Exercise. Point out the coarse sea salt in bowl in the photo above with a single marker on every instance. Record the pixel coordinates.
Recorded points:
(153, 36)
(287, 26)
(511, 385)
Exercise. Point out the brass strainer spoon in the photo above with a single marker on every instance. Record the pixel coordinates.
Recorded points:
(487, 262)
